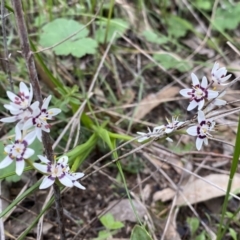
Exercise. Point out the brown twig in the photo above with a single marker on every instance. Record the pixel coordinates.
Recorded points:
(6, 55)
(28, 56)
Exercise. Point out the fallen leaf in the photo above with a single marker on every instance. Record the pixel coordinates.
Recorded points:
(123, 211)
(153, 100)
(164, 195)
(199, 190)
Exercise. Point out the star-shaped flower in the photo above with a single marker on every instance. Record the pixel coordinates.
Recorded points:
(57, 170)
(39, 118)
(22, 116)
(201, 130)
(219, 75)
(199, 93)
(18, 151)
(21, 101)
(160, 130)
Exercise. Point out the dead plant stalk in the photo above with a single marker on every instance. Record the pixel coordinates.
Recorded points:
(30, 64)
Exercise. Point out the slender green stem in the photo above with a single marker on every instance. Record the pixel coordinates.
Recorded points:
(232, 173)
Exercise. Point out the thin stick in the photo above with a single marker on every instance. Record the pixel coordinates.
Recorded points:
(29, 59)
(6, 55)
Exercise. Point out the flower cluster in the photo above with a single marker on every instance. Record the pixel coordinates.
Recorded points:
(57, 170)
(32, 118)
(201, 96)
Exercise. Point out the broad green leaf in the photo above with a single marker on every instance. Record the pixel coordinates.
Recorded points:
(177, 27)
(193, 224)
(169, 62)
(114, 25)
(204, 5)
(108, 222)
(139, 233)
(154, 37)
(61, 28)
(227, 18)
(201, 236)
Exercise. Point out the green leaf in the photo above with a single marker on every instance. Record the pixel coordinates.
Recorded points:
(108, 222)
(154, 37)
(170, 62)
(139, 233)
(204, 5)
(227, 18)
(193, 224)
(103, 235)
(61, 28)
(233, 234)
(114, 25)
(178, 27)
(201, 236)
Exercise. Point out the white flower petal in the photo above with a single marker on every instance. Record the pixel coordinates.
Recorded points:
(78, 185)
(12, 96)
(201, 116)
(43, 159)
(169, 139)
(41, 167)
(212, 94)
(8, 148)
(192, 131)
(18, 134)
(9, 119)
(28, 153)
(77, 175)
(63, 160)
(23, 88)
(38, 134)
(20, 167)
(199, 142)
(5, 162)
(46, 102)
(27, 124)
(168, 130)
(192, 105)
(30, 137)
(195, 79)
(53, 112)
(66, 181)
(201, 104)
(47, 182)
(205, 141)
(30, 93)
(204, 83)
(186, 92)
(219, 102)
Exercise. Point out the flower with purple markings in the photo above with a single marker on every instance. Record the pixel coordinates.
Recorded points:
(160, 130)
(57, 170)
(219, 75)
(217, 102)
(39, 118)
(199, 93)
(201, 130)
(21, 101)
(18, 151)
(23, 116)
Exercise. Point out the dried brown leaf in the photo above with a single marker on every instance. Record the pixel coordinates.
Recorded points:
(153, 100)
(199, 190)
